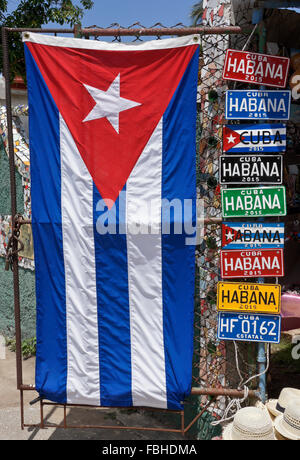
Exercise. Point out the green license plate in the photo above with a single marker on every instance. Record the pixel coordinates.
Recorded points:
(254, 202)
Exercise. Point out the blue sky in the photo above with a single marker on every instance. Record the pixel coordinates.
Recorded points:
(126, 12)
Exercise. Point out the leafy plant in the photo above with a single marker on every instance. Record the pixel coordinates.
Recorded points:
(28, 346)
(196, 13)
(11, 344)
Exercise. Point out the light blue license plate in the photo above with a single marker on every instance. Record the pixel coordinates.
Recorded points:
(249, 327)
(257, 105)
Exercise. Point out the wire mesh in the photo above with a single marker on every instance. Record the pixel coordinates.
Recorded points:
(214, 360)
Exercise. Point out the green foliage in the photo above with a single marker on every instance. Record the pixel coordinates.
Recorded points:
(36, 13)
(11, 344)
(196, 13)
(3, 8)
(28, 346)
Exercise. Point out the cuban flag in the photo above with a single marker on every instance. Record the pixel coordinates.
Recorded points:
(112, 130)
(254, 138)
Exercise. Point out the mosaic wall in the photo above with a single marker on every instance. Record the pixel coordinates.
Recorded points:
(22, 159)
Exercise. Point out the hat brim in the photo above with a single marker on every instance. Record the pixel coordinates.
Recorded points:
(271, 406)
(226, 435)
(282, 430)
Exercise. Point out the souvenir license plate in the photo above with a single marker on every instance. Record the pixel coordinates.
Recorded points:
(257, 105)
(249, 327)
(255, 169)
(254, 202)
(255, 68)
(249, 297)
(255, 138)
(252, 263)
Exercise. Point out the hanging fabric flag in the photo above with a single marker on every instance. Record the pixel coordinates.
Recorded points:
(112, 140)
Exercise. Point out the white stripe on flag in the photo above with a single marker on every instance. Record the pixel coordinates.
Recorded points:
(144, 254)
(83, 386)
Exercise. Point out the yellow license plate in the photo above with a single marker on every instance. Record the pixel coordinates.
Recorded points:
(249, 297)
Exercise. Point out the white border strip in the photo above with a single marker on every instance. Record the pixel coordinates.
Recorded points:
(68, 42)
(144, 255)
(83, 380)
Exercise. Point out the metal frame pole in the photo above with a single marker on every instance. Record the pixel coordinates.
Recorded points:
(6, 74)
(261, 354)
(97, 31)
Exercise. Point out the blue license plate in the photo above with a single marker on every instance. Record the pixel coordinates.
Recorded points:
(257, 105)
(249, 327)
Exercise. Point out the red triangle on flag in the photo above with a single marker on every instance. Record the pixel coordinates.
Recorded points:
(111, 145)
(228, 235)
(230, 139)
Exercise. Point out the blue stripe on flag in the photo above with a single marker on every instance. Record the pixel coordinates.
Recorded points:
(51, 358)
(178, 259)
(113, 309)
(235, 150)
(254, 246)
(253, 126)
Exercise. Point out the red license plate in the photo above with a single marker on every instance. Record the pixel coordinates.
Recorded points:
(252, 263)
(259, 69)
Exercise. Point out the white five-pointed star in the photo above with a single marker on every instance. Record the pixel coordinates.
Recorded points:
(231, 139)
(229, 236)
(109, 103)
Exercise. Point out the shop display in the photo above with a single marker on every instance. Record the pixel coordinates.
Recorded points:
(256, 169)
(252, 235)
(252, 263)
(254, 202)
(260, 104)
(254, 138)
(249, 297)
(249, 327)
(256, 68)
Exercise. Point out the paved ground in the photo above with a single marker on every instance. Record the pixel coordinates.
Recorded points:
(10, 414)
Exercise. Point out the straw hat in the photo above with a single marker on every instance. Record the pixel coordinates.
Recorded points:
(250, 424)
(278, 406)
(288, 424)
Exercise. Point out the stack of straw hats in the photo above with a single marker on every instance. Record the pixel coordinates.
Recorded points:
(277, 420)
(285, 413)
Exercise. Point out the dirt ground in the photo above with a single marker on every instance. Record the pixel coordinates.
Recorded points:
(10, 428)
